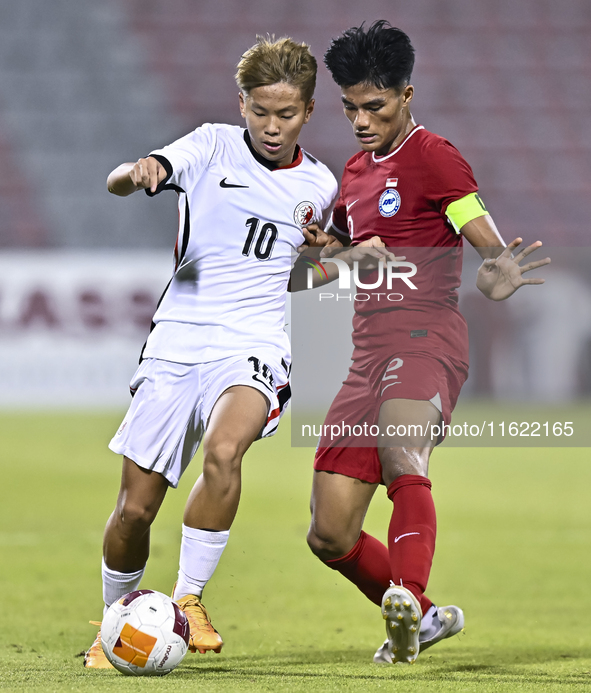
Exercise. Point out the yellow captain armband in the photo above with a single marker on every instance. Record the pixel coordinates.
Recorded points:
(464, 210)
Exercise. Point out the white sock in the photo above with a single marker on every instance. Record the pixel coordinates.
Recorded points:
(430, 622)
(116, 584)
(200, 554)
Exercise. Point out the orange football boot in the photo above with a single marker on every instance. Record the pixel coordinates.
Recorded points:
(204, 636)
(95, 658)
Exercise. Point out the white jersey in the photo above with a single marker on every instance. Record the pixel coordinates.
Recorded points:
(241, 219)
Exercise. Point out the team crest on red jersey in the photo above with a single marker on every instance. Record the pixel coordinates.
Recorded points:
(389, 202)
(304, 213)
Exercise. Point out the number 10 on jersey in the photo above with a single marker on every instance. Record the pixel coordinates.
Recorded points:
(265, 239)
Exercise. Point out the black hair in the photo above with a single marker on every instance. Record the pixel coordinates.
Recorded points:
(382, 56)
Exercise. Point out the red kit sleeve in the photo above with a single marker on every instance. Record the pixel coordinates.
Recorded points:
(449, 176)
(339, 216)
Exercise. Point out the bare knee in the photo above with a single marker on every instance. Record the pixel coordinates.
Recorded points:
(399, 461)
(222, 452)
(328, 545)
(134, 518)
(222, 457)
(338, 506)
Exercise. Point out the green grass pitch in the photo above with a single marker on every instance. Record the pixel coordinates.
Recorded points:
(514, 551)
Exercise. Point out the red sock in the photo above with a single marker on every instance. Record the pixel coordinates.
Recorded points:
(411, 535)
(367, 566)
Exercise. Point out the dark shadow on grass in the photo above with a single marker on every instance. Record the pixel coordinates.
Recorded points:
(483, 668)
(327, 664)
(498, 666)
(460, 658)
(399, 672)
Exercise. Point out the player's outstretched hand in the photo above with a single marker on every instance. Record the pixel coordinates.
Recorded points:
(129, 177)
(317, 238)
(500, 277)
(147, 173)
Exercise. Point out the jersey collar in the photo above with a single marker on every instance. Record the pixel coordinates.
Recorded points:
(271, 165)
(399, 147)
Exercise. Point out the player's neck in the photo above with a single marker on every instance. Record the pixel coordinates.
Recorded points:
(408, 126)
(271, 165)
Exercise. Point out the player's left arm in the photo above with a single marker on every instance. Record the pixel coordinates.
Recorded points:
(500, 274)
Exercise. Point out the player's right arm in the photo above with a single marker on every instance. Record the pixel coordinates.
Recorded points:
(130, 177)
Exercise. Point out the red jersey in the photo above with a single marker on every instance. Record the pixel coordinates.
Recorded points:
(402, 198)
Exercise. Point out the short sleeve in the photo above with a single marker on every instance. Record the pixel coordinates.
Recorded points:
(338, 219)
(185, 159)
(449, 176)
(331, 199)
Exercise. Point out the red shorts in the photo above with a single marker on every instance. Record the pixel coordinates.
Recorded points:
(348, 445)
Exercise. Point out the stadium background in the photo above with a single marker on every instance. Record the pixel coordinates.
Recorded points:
(86, 85)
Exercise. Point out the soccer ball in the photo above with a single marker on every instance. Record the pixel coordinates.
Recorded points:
(145, 634)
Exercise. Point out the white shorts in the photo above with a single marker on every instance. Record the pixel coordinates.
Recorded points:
(172, 404)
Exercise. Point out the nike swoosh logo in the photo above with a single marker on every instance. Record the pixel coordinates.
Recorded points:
(350, 205)
(223, 184)
(404, 535)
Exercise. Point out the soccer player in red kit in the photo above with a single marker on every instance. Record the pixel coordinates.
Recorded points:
(411, 191)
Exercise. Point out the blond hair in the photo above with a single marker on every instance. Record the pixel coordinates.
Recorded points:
(269, 62)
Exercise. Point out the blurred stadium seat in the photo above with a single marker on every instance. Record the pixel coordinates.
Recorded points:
(20, 226)
(508, 83)
(87, 85)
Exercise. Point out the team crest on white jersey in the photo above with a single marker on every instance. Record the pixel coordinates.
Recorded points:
(305, 213)
(389, 202)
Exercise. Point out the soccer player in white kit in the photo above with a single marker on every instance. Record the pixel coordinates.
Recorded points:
(215, 367)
